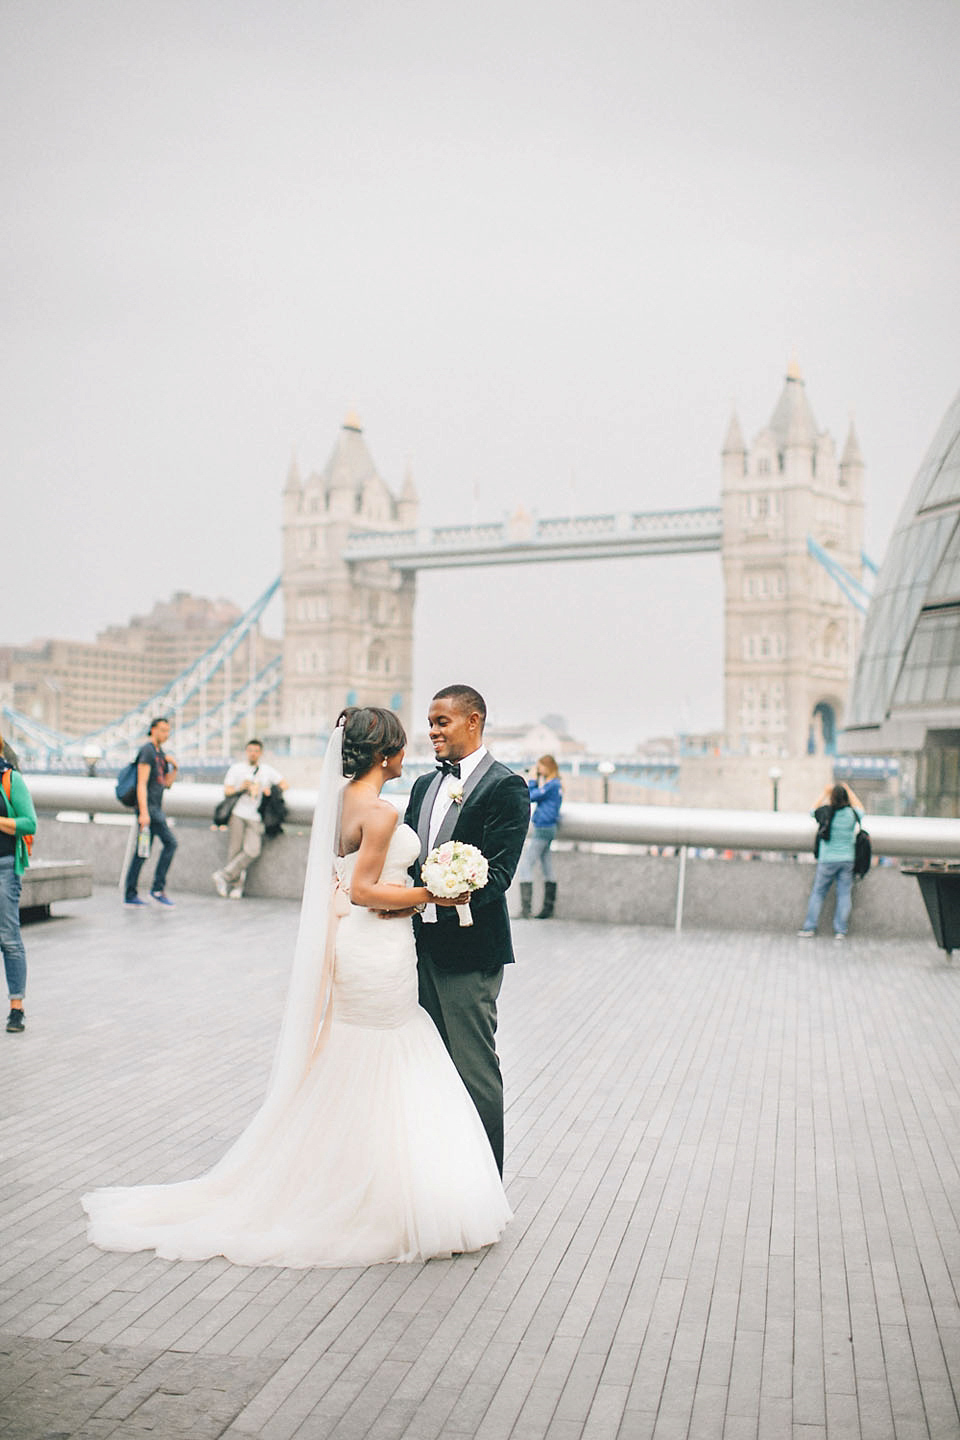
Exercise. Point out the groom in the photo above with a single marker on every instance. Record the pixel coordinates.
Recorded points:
(472, 798)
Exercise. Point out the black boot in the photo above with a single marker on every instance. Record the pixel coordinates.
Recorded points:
(549, 899)
(526, 897)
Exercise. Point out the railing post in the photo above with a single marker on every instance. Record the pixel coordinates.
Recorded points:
(681, 882)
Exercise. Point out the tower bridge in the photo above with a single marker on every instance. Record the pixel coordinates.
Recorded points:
(789, 531)
(353, 548)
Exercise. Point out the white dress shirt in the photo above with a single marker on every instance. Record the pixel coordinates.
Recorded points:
(441, 805)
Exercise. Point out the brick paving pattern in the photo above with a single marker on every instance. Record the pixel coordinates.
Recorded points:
(731, 1157)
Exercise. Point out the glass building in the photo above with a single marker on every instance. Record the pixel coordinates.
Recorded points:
(906, 691)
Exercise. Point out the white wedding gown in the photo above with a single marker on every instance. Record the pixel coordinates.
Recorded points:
(380, 1155)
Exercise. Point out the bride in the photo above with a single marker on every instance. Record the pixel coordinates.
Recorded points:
(367, 1147)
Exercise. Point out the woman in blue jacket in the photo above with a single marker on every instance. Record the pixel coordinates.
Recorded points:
(546, 796)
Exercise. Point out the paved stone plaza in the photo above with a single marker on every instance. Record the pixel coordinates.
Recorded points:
(731, 1157)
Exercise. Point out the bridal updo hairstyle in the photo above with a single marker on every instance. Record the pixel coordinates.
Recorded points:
(368, 732)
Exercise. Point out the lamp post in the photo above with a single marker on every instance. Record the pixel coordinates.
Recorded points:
(775, 774)
(91, 756)
(606, 769)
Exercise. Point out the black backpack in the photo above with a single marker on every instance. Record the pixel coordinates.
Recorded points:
(862, 853)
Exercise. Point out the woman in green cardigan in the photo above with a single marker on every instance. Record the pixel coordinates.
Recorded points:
(18, 819)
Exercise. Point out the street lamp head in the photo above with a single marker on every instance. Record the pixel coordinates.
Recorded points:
(606, 767)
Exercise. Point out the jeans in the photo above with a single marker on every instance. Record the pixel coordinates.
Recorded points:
(11, 941)
(537, 849)
(159, 830)
(827, 872)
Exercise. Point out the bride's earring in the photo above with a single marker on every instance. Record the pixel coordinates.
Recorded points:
(384, 764)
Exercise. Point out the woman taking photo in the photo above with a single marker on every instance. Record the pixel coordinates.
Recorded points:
(546, 796)
(838, 812)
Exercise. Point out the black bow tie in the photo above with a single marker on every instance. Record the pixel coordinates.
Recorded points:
(449, 767)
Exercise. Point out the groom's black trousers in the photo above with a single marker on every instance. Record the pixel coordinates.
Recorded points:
(464, 1010)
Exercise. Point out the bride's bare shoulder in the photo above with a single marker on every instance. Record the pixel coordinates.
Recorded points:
(365, 817)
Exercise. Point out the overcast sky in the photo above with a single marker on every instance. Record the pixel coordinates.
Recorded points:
(540, 246)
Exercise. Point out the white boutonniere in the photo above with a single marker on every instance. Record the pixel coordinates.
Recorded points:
(455, 790)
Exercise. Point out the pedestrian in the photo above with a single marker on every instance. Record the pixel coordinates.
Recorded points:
(156, 772)
(18, 819)
(546, 796)
(838, 813)
(251, 781)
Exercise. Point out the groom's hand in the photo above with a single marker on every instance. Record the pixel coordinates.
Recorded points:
(396, 914)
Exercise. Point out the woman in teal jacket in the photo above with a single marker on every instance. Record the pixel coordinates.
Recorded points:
(18, 819)
(838, 813)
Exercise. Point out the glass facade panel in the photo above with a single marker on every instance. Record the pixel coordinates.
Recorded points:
(901, 591)
(936, 683)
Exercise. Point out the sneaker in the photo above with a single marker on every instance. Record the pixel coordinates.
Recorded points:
(15, 1023)
(806, 934)
(236, 893)
(161, 898)
(220, 881)
(839, 935)
(134, 900)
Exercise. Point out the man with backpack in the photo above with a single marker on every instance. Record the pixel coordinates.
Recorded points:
(18, 823)
(156, 772)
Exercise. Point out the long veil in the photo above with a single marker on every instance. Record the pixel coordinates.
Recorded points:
(311, 975)
(305, 1017)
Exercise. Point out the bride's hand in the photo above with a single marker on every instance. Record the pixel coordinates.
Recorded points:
(446, 900)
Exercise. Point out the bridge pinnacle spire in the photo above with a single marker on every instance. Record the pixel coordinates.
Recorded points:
(851, 450)
(409, 491)
(792, 421)
(733, 444)
(293, 474)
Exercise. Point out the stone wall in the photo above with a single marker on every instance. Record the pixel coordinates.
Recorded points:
(626, 888)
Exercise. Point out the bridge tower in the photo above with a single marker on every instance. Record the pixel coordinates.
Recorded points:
(348, 625)
(790, 634)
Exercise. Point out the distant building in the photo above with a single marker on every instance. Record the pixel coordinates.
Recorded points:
(790, 633)
(348, 626)
(905, 702)
(76, 687)
(519, 744)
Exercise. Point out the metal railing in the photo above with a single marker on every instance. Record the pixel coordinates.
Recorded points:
(899, 837)
(664, 826)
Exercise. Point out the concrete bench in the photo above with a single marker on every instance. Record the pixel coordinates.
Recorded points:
(46, 881)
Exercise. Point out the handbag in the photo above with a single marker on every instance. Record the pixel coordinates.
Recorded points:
(225, 808)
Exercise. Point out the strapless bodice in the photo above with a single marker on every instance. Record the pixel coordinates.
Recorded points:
(403, 849)
(375, 975)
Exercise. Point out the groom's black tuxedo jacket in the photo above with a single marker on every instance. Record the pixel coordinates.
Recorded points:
(494, 816)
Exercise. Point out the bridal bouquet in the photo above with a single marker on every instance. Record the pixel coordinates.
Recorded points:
(455, 869)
